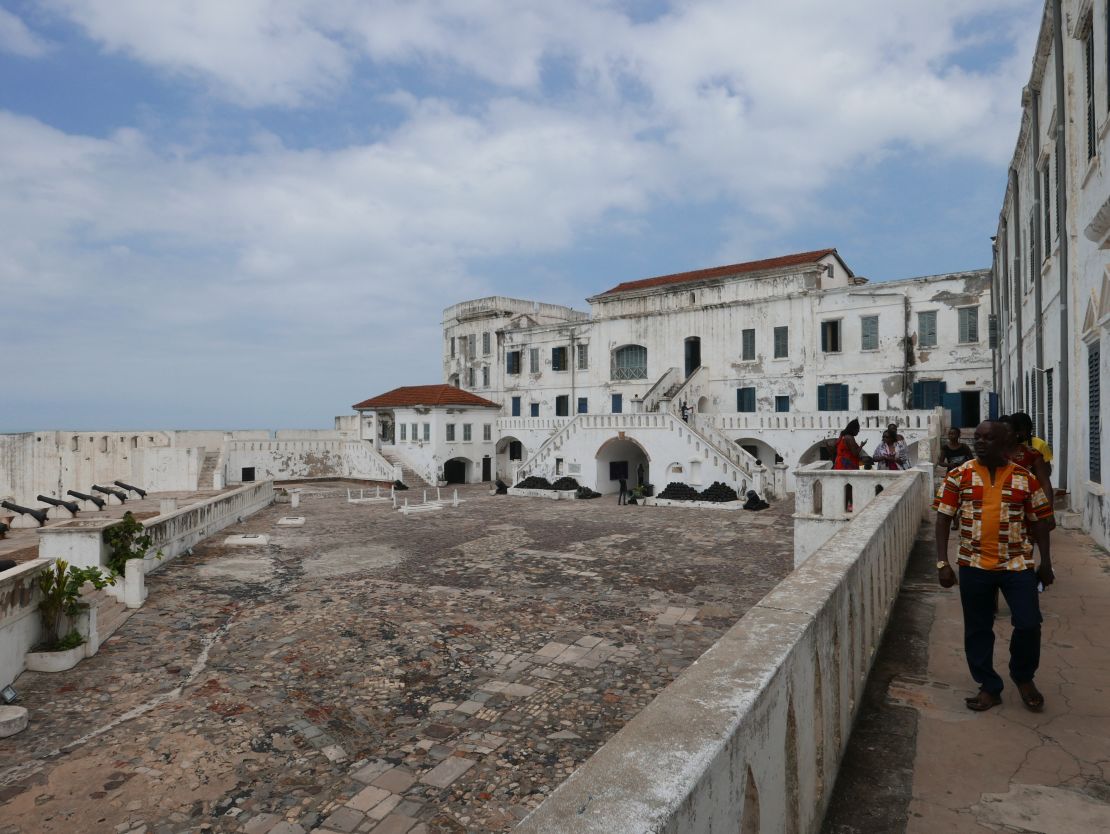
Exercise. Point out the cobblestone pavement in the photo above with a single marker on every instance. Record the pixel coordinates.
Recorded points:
(370, 672)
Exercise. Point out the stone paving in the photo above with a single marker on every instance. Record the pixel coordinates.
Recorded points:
(369, 672)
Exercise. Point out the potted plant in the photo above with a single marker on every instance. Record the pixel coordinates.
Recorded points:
(126, 540)
(61, 604)
(638, 494)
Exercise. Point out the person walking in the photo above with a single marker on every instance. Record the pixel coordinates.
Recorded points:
(954, 452)
(1001, 507)
(623, 497)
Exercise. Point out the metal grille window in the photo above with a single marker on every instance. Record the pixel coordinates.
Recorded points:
(869, 333)
(469, 377)
(485, 376)
(404, 431)
(927, 329)
(747, 339)
(487, 431)
(630, 362)
(745, 399)
(466, 432)
(485, 343)
(1094, 412)
(830, 336)
(782, 403)
(450, 432)
(583, 357)
(472, 345)
(427, 432)
(1089, 55)
(969, 324)
(832, 397)
(512, 362)
(534, 360)
(559, 359)
(782, 342)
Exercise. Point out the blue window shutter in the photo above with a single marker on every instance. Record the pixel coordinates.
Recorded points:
(918, 394)
(822, 398)
(844, 397)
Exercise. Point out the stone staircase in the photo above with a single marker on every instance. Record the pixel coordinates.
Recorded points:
(110, 613)
(208, 468)
(408, 476)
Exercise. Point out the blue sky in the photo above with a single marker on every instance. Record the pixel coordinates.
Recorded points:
(252, 214)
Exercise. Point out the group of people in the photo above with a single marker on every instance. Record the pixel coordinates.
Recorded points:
(891, 454)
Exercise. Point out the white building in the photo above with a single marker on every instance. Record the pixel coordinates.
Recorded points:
(1050, 254)
(772, 356)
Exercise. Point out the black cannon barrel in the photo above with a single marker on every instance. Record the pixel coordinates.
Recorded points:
(84, 496)
(142, 492)
(15, 508)
(58, 502)
(122, 496)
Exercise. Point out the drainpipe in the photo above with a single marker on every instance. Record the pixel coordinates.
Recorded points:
(1061, 213)
(1016, 276)
(1039, 253)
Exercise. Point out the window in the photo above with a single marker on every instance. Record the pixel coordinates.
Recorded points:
(1046, 203)
(452, 347)
(869, 333)
(562, 406)
(485, 344)
(992, 330)
(487, 432)
(415, 434)
(534, 360)
(782, 342)
(583, 357)
(427, 432)
(832, 397)
(745, 399)
(559, 359)
(870, 402)
(472, 345)
(583, 405)
(469, 377)
(928, 393)
(630, 362)
(782, 403)
(927, 329)
(1048, 405)
(512, 362)
(618, 469)
(404, 431)
(969, 324)
(1094, 425)
(485, 376)
(618, 403)
(1089, 55)
(450, 432)
(516, 407)
(516, 451)
(466, 432)
(747, 339)
(534, 409)
(830, 336)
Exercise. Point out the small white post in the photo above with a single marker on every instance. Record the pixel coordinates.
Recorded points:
(455, 501)
(134, 578)
(438, 497)
(295, 498)
(425, 496)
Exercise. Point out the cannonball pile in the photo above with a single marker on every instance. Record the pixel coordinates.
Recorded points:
(534, 482)
(565, 482)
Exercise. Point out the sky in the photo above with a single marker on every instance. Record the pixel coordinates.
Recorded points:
(252, 214)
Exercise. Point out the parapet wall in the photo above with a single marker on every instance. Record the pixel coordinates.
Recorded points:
(291, 459)
(750, 737)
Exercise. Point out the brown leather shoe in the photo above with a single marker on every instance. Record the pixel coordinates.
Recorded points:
(983, 701)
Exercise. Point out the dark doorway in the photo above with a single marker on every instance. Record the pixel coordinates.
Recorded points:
(454, 471)
(487, 469)
(693, 354)
(248, 474)
(969, 408)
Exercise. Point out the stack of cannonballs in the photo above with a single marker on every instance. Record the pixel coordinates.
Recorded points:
(586, 492)
(719, 493)
(565, 483)
(676, 491)
(534, 482)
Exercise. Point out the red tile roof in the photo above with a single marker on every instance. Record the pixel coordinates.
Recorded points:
(427, 395)
(799, 259)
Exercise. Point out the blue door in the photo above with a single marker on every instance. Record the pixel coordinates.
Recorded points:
(954, 403)
(516, 406)
(618, 403)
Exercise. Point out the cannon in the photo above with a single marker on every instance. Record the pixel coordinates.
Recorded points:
(38, 515)
(141, 492)
(58, 502)
(122, 496)
(84, 496)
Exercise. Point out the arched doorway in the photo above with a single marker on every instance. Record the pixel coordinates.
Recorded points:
(761, 450)
(703, 405)
(818, 451)
(621, 457)
(510, 454)
(457, 471)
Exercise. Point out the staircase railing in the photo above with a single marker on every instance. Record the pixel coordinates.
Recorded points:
(426, 471)
(692, 384)
(529, 466)
(659, 390)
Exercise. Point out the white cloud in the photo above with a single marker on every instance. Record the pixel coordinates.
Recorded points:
(17, 39)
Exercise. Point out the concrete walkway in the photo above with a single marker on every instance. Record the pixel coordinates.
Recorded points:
(1004, 770)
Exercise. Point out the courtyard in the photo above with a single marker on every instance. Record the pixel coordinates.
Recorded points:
(371, 672)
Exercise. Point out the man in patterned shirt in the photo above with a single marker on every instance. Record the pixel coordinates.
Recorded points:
(1000, 506)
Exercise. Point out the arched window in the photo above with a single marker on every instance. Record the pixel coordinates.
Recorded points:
(630, 362)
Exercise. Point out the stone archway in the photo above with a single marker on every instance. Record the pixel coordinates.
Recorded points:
(621, 457)
(457, 470)
(509, 454)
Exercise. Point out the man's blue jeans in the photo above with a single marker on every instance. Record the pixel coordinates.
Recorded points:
(977, 596)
